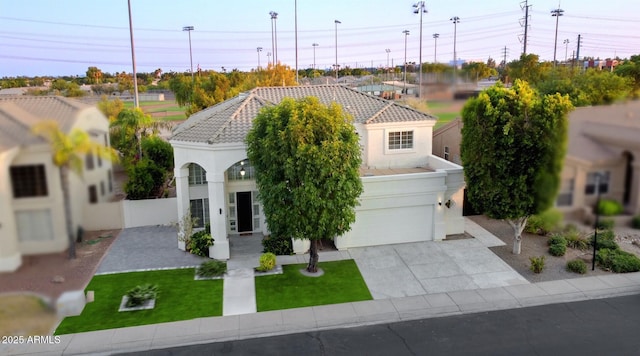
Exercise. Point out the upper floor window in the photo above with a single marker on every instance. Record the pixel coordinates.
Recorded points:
(590, 187)
(400, 140)
(197, 174)
(446, 153)
(29, 181)
(93, 194)
(89, 161)
(241, 170)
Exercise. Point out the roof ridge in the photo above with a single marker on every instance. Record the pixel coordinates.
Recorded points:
(232, 117)
(375, 116)
(9, 106)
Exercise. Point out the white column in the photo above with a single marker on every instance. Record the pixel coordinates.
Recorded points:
(217, 215)
(439, 222)
(182, 192)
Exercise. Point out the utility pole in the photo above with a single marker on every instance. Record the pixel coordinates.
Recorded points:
(136, 102)
(526, 24)
(404, 89)
(578, 49)
(505, 50)
(456, 21)
(336, 22)
(420, 8)
(556, 13)
(435, 47)
(296, 28)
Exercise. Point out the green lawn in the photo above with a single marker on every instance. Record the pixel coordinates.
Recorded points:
(179, 298)
(129, 104)
(444, 118)
(341, 283)
(168, 109)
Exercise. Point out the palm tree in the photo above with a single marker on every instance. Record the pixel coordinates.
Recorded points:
(133, 123)
(68, 153)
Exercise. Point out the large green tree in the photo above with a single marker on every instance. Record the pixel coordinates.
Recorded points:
(513, 145)
(631, 69)
(307, 159)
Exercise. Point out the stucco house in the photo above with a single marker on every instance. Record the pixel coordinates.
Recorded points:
(409, 195)
(31, 203)
(601, 139)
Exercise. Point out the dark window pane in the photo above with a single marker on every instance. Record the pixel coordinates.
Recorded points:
(28, 181)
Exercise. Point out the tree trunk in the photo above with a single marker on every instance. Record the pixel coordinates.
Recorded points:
(518, 226)
(64, 181)
(312, 267)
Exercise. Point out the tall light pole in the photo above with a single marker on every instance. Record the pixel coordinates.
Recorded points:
(296, 30)
(406, 34)
(336, 22)
(189, 29)
(136, 102)
(556, 13)
(259, 49)
(388, 68)
(456, 21)
(314, 54)
(435, 47)
(274, 36)
(566, 48)
(420, 8)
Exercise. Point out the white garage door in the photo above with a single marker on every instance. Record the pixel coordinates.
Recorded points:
(34, 225)
(389, 226)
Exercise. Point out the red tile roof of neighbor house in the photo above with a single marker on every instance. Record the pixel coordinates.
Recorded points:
(19, 113)
(229, 121)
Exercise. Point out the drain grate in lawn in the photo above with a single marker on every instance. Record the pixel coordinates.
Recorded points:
(341, 283)
(179, 298)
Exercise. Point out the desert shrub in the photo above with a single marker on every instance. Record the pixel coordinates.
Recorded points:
(212, 268)
(606, 224)
(537, 264)
(609, 207)
(267, 262)
(577, 266)
(544, 222)
(556, 239)
(576, 239)
(635, 222)
(618, 261)
(606, 239)
(199, 243)
(558, 249)
(140, 294)
(277, 245)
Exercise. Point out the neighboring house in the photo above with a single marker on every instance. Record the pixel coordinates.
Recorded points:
(605, 140)
(602, 139)
(31, 204)
(446, 141)
(409, 195)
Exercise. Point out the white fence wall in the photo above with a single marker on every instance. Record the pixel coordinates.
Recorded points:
(150, 212)
(130, 213)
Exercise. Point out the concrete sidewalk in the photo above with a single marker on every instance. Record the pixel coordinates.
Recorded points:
(299, 320)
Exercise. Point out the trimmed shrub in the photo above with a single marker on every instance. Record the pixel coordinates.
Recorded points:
(544, 222)
(577, 266)
(635, 222)
(606, 239)
(557, 250)
(537, 264)
(146, 180)
(556, 239)
(618, 261)
(609, 207)
(199, 243)
(277, 245)
(267, 262)
(140, 294)
(212, 268)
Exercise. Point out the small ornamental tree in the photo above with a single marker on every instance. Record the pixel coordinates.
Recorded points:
(307, 160)
(513, 146)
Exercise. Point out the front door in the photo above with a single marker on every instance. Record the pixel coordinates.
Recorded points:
(245, 215)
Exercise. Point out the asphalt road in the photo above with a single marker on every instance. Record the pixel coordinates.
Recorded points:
(596, 327)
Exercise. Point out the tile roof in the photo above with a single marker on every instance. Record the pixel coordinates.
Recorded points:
(19, 113)
(229, 121)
